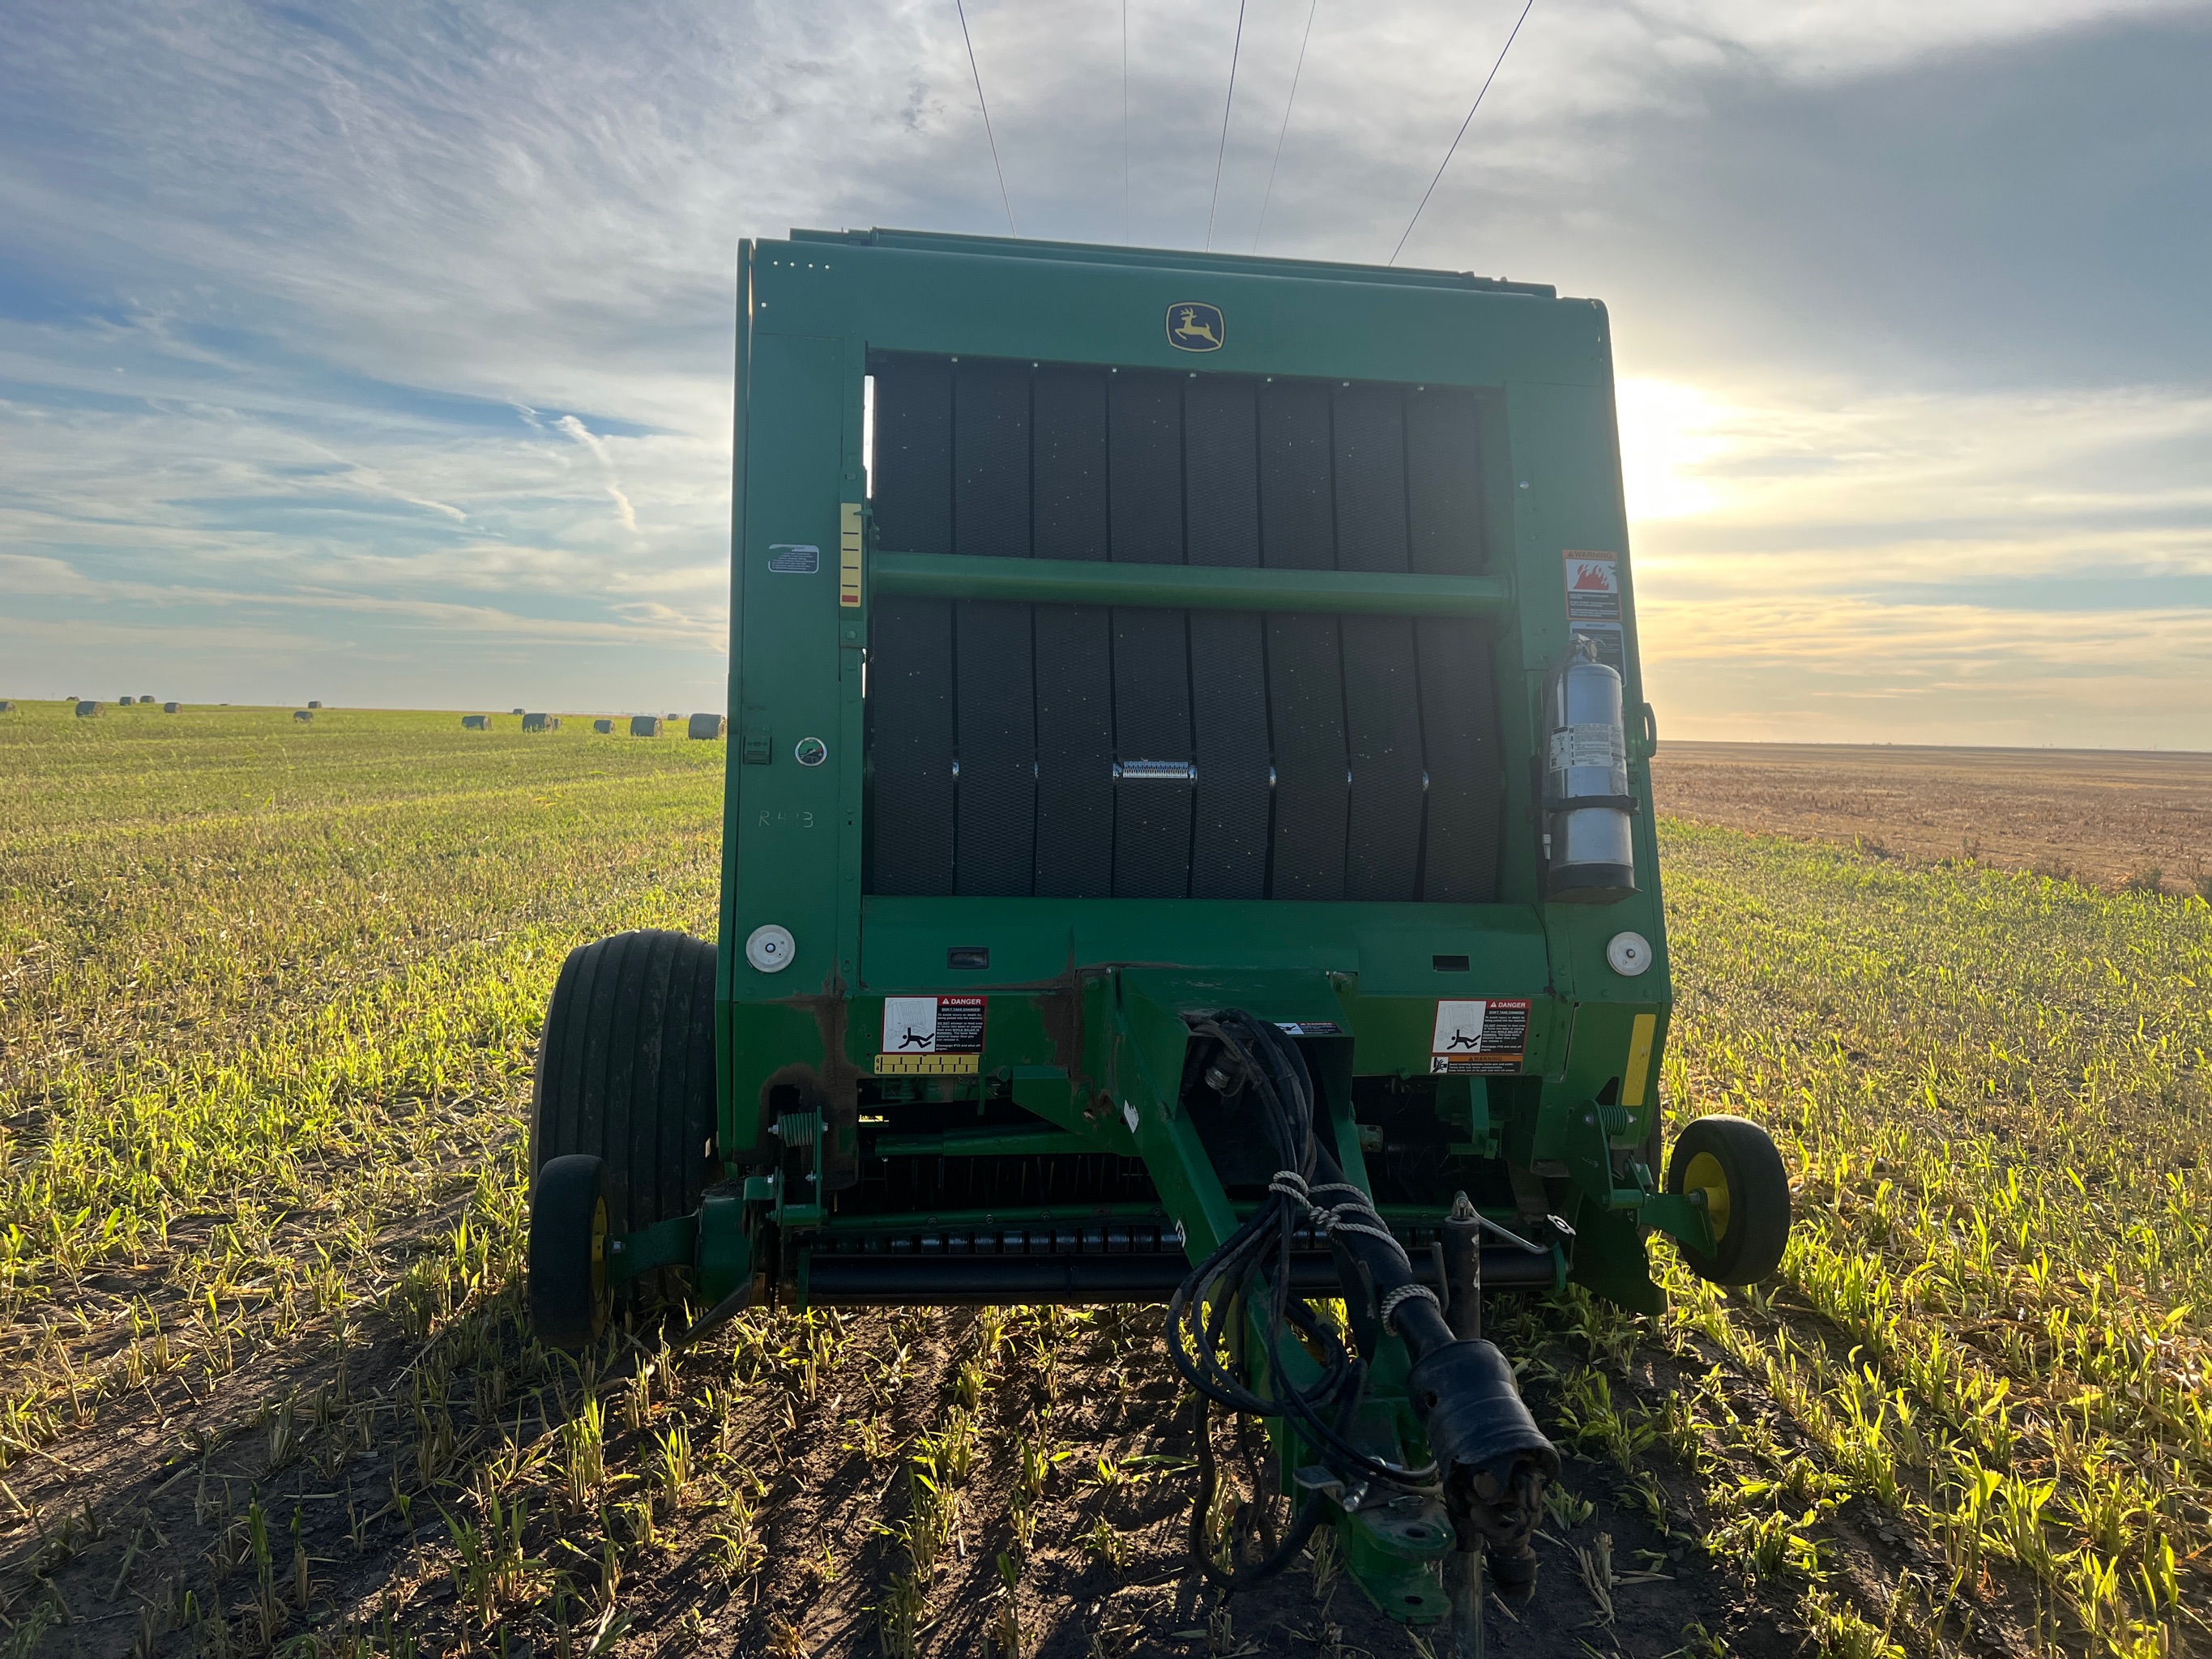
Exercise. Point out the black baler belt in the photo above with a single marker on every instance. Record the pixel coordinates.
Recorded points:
(1074, 643)
(997, 795)
(1466, 781)
(1382, 729)
(910, 715)
(1075, 751)
(913, 455)
(1228, 649)
(994, 696)
(1443, 481)
(1305, 704)
(1229, 720)
(1152, 722)
(1151, 648)
(911, 641)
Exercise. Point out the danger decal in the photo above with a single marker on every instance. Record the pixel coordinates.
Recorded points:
(931, 1036)
(1487, 1037)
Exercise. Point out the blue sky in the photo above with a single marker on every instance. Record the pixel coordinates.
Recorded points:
(381, 354)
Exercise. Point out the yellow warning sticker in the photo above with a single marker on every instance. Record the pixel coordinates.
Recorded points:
(928, 1065)
(1639, 1059)
(848, 557)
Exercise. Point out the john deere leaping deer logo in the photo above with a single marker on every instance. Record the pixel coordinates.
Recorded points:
(1193, 326)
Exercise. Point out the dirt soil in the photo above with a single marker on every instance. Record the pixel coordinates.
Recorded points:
(2101, 816)
(115, 1526)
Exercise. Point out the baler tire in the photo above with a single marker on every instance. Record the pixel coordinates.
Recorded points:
(569, 1300)
(625, 1073)
(1733, 1160)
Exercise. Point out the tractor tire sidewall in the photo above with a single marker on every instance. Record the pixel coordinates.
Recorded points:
(625, 1072)
(1758, 1198)
(565, 1310)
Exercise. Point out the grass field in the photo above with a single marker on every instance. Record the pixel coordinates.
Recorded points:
(268, 994)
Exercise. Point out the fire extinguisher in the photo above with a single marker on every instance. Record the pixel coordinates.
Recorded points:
(1591, 856)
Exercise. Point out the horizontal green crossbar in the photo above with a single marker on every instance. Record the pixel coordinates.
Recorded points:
(1184, 586)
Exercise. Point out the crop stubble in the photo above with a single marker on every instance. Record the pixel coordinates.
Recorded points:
(267, 999)
(2106, 817)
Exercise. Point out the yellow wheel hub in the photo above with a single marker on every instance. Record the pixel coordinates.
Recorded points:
(1706, 1175)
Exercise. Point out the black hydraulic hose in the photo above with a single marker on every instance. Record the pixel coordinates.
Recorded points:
(1257, 1062)
(1308, 1514)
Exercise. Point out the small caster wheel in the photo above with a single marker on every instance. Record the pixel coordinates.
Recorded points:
(569, 1294)
(1732, 1161)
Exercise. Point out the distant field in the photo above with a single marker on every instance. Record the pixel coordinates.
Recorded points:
(2100, 815)
(267, 996)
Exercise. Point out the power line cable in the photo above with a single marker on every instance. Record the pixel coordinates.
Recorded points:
(1004, 198)
(1228, 104)
(1461, 133)
(1279, 136)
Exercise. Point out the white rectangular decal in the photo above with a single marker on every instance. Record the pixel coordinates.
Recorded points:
(1484, 1038)
(931, 1036)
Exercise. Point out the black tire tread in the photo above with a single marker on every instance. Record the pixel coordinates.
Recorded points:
(1759, 1197)
(625, 1071)
(563, 1312)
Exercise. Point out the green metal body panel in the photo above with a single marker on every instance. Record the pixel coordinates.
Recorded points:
(1084, 1034)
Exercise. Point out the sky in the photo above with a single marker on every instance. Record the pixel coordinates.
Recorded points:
(381, 354)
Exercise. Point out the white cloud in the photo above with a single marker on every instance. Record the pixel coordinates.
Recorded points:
(371, 316)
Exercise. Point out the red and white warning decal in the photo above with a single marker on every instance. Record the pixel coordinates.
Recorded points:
(1593, 587)
(1485, 1038)
(931, 1035)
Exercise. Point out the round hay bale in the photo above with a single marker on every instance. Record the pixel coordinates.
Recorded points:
(475, 722)
(705, 727)
(88, 708)
(518, 711)
(303, 715)
(311, 704)
(603, 728)
(541, 722)
(645, 725)
(173, 708)
(124, 701)
(6, 708)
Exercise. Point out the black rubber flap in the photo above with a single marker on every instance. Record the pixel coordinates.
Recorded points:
(1381, 700)
(1305, 681)
(1228, 654)
(1152, 655)
(911, 641)
(995, 699)
(1074, 650)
